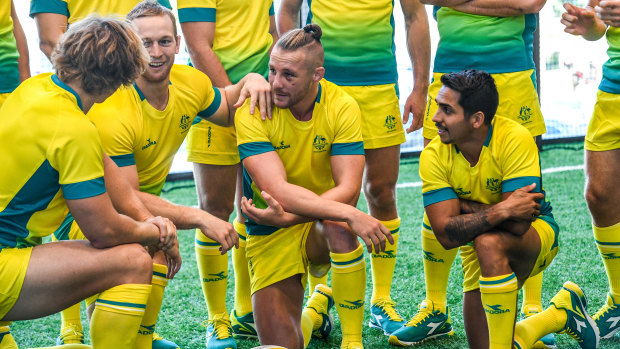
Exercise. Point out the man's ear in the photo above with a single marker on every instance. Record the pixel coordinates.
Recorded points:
(477, 119)
(318, 74)
(178, 44)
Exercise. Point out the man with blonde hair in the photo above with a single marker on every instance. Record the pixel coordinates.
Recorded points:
(302, 177)
(59, 168)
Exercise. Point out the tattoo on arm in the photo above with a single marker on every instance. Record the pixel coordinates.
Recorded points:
(468, 206)
(464, 228)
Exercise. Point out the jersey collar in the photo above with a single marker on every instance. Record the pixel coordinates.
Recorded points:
(66, 87)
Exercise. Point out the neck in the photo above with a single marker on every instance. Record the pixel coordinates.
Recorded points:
(472, 147)
(156, 93)
(87, 99)
(302, 110)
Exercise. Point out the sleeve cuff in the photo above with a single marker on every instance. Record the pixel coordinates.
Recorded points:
(196, 14)
(435, 196)
(353, 148)
(215, 105)
(83, 190)
(254, 148)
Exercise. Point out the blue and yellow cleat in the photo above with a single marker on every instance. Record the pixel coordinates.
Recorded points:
(579, 325)
(6, 338)
(607, 318)
(321, 302)
(160, 343)
(383, 316)
(546, 342)
(71, 334)
(219, 333)
(428, 323)
(243, 326)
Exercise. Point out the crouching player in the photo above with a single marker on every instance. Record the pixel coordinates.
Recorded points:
(59, 165)
(482, 191)
(302, 174)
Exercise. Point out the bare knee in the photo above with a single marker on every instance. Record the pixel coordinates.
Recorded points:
(339, 238)
(218, 206)
(491, 254)
(380, 192)
(134, 265)
(598, 197)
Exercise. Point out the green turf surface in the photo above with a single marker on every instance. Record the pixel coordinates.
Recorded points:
(578, 260)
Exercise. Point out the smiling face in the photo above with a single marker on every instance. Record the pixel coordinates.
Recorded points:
(157, 34)
(450, 118)
(290, 77)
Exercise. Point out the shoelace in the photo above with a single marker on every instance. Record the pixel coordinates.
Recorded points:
(573, 335)
(388, 307)
(421, 315)
(221, 327)
(604, 310)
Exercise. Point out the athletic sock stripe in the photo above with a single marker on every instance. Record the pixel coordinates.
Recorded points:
(427, 227)
(395, 231)
(122, 304)
(512, 278)
(207, 244)
(155, 273)
(608, 244)
(340, 264)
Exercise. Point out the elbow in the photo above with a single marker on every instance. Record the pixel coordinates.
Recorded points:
(533, 6)
(47, 47)
(103, 239)
(445, 241)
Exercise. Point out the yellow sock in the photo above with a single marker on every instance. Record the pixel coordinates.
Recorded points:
(6, 339)
(349, 288)
(499, 299)
(608, 243)
(117, 316)
(532, 289)
(243, 298)
(213, 271)
(531, 329)
(144, 340)
(308, 319)
(71, 317)
(437, 264)
(382, 264)
(313, 281)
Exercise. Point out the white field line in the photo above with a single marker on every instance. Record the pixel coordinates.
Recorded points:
(547, 170)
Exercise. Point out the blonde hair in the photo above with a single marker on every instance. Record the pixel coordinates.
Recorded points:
(151, 8)
(101, 53)
(308, 38)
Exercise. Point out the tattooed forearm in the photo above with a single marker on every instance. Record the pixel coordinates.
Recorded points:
(468, 206)
(464, 228)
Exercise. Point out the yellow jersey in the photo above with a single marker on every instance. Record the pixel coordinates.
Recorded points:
(76, 10)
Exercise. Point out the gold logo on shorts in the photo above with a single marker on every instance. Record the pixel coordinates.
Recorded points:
(525, 113)
(390, 123)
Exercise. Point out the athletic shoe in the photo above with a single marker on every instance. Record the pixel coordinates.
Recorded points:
(6, 339)
(70, 335)
(243, 326)
(579, 325)
(428, 323)
(384, 316)
(352, 345)
(546, 342)
(160, 343)
(608, 318)
(321, 302)
(219, 333)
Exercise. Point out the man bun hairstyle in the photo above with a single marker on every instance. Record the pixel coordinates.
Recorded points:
(478, 92)
(102, 53)
(308, 38)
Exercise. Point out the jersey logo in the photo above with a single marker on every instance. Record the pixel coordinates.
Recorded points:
(460, 192)
(495, 309)
(216, 277)
(319, 144)
(185, 123)
(352, 305)
(525, 113)
(493, 185)
(390, 123)
(149, 143)
(429, 256)
(282, 146)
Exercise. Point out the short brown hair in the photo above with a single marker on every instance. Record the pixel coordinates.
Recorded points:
(308, 38)
(101, 53)
(151, 8)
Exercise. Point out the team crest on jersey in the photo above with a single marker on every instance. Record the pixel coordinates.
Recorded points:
(525, 113)
(390, 123)
(319, 144)
(282, 146)
(185, 123)
(149, 143)
(494, 185)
